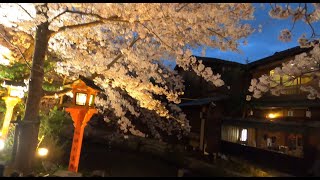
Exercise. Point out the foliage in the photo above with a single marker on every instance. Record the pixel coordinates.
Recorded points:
(50, 133)
(2, 106)
(17, 71)
(302, 66)
(6, 153)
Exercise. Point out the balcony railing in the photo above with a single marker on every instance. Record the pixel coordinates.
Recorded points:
(292, 90)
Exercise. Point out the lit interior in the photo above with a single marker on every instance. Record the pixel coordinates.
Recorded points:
(1, 144)
(244, 133)
(81, 99)
(272, 115)
(43, 151)
(17, 92)
(91, 100)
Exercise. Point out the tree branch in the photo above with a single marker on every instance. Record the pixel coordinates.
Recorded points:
(4, 37)
(120, 55)
(216, 33)
(271, 6)
(182, 7)
(57, 16)
(308, 22)
(157, 37)
(76, 26)
(54, 94)
(25, 11)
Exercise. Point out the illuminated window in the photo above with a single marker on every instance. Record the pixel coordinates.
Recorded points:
(15, 92)
(91, 100)
(308, 113)
(305, 79)
(81, 99)
(271, 115)
(290, 113)
(289, 81)
(243, 136)
(276, 79)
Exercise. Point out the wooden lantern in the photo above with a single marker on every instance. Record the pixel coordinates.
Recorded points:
(81, 110)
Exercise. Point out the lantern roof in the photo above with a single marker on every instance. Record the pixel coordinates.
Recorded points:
(88, 83)
(6, 83)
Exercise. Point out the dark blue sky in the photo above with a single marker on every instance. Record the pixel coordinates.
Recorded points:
(265, 43)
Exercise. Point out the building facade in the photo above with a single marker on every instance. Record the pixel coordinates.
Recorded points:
(280, 132)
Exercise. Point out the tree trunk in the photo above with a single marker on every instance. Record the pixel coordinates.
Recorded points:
(28, 134)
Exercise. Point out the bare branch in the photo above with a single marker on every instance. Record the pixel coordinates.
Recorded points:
(100, 20)
(186, 4)
(57, 16)
(76, 26)
(308, 22)
(294, 22)
(4, 37)
(271, 6)
(25, 11)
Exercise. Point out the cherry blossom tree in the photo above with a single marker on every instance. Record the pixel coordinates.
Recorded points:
(304, 65)
(122, 46)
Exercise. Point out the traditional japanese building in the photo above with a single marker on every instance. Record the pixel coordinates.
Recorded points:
(280, 132)
(204, 104)
(277, 130)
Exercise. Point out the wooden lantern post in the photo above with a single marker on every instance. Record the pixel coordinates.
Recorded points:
(81, 110)
(15, 93)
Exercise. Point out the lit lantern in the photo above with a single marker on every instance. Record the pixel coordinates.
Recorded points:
(2, 143)
(271, 115)
(42, 152)
(81, 110)
(15, 93)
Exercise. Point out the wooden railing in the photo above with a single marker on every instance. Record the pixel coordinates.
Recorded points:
(292, 90)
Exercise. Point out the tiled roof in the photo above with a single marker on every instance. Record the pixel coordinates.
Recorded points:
(90, 83)
(203, 101)
(279, 56)
(13, 83)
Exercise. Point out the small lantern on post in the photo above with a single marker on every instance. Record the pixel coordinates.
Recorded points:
(15, 93)
(81, 110)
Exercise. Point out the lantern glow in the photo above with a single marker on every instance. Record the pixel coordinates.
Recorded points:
(272, 115)
(1, 144)
(91, 100)
(81, 99)
(244, 133)
(81, 111)
(43, 152)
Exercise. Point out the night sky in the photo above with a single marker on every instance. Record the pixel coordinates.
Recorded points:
(265, 43)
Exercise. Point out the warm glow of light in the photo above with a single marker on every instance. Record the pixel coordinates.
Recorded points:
(17, 92)
(1, 144)
(81, 99)
(272, 115)
(43, 152)
(91, 100)
(70, 94)
(5, 55)
(244, 133)
(10, 104)
(11, 13)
